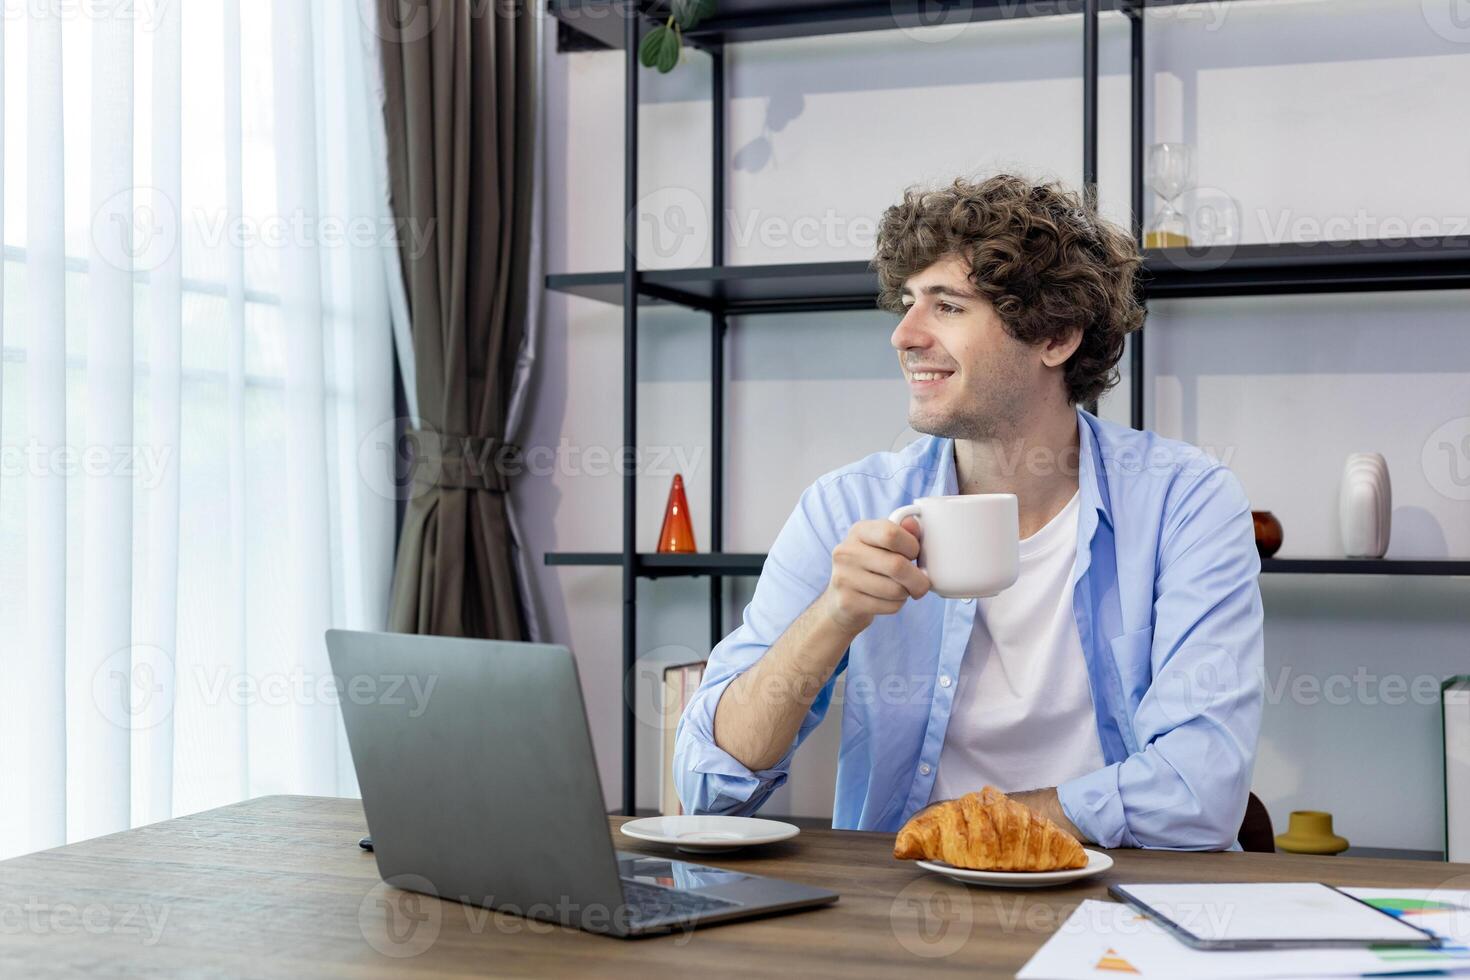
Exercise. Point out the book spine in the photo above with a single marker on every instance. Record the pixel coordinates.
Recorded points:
(1454, 705)
(684, 693)
(670, 693)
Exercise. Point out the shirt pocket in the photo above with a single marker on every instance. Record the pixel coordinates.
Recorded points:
(1133, 655)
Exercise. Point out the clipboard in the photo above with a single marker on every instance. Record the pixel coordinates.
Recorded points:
(1269, 915)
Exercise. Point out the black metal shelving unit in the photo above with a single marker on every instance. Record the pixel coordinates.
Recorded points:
(1175, 273)
(654, 565)
(723, 291)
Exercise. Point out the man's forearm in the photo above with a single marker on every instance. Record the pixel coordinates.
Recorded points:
(1046, 803)
(761, 711)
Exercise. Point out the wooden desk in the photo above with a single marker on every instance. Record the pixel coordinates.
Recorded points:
(278, 887)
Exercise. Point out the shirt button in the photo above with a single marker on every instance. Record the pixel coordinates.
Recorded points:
(968, 599)
(924, 770)
(944, 680)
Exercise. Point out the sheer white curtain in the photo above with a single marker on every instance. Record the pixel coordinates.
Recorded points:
(195, 404)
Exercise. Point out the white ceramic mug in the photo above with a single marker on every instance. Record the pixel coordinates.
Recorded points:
(970, 544)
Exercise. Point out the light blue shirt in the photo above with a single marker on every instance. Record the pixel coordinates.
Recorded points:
(1168, 610)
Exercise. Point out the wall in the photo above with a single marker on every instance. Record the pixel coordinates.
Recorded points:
(1346, 116)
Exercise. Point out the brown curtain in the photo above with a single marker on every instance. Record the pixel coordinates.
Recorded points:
(459, 112)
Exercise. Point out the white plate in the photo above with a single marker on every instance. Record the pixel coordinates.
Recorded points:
(709, 834)
(1097, 863)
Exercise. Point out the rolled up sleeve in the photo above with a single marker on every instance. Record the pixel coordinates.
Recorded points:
(1197, 725)
(797, 569)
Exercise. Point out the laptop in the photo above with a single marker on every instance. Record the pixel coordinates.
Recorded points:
(478, 779)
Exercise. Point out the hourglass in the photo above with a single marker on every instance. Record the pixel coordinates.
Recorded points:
(1170, 173)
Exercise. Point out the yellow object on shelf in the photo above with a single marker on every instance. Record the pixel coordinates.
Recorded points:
(1310, 832)
(1165, 239)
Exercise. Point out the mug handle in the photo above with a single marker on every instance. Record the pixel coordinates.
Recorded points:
(911, 510)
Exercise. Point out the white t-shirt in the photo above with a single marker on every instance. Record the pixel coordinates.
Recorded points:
(1022, 716)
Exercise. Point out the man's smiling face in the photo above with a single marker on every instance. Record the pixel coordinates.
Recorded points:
(968, 378)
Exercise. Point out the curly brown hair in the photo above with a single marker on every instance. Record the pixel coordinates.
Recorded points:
(1043, 259)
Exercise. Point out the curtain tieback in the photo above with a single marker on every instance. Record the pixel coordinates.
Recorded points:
(456, 462)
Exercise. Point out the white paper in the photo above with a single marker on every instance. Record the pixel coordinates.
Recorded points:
(1113, 941)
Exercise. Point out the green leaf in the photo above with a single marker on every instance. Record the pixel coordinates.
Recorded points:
(660, 49)
(691, 12)
(669, 56)
(648, 48)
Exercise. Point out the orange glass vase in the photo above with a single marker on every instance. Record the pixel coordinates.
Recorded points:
(677, 535)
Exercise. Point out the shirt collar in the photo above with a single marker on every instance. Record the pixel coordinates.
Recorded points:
(1091, 481)
(1091, 477)
(945, 483)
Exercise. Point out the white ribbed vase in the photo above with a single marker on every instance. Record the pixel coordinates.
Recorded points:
(1363, 506)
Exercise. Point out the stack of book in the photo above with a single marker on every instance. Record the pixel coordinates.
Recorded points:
(1455, 695)
(680, 683)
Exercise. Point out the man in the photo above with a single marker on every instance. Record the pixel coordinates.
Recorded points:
(1116, 686)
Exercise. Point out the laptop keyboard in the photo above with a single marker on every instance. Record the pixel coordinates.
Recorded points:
(652, 903)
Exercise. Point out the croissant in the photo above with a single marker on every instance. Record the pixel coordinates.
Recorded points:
(988, 831)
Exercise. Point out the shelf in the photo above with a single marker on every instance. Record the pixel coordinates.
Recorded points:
(767, 20)
(738, 289)
(1317, 267)
(655, 565)
(1313, 267)
(1367, 566)
(651, 565)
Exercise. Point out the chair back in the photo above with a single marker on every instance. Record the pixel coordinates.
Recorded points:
(1255, 829)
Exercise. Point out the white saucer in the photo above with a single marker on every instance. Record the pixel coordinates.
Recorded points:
(1097, 863)
(709, 834)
